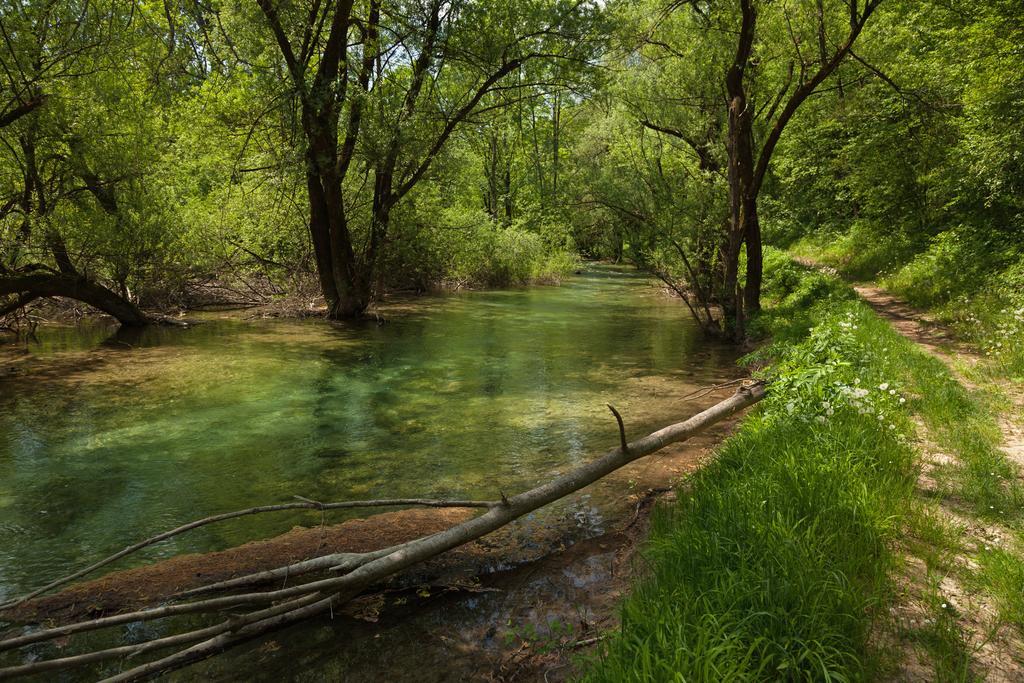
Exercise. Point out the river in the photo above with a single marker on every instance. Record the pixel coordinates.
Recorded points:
(107, 438)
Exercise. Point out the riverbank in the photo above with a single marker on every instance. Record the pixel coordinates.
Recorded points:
(819, 543)
(520, 604)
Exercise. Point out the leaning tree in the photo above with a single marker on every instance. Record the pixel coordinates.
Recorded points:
(76, 137)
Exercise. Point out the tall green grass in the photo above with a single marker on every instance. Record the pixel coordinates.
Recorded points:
(777, 559)
(961, 423)
(774, 561)
(1002, 574)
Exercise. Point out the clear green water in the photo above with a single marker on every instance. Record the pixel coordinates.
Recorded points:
(107, 440)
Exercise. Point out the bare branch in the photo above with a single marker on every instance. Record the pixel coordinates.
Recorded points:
(303, 504)
(23, 109)
(623, 444)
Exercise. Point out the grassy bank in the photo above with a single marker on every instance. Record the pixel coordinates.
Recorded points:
(975, 287)
(781, 557)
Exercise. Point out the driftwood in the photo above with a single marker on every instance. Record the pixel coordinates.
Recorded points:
(358, 571)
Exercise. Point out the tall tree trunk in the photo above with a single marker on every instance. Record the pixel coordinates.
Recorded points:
(375, 284)
(320, 234)
(509, 208)
(491, 176)
(342, 280)
(740, 171)
(556, 131)
(755, 259)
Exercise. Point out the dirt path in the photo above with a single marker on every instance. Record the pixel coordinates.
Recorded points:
(992, 649)
(940, 342)
(915, 325)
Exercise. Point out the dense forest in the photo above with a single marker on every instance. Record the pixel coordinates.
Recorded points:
(158, 153)
(833, 187)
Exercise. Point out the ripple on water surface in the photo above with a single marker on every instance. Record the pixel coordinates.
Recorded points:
(107, 438)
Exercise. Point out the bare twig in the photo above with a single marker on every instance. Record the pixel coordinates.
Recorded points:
(587, 641)
(704, 391)
(622, 429)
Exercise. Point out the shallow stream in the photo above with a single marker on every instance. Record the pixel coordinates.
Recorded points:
(106, 438)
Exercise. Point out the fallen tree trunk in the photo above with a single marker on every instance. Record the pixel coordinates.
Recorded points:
(302, 601)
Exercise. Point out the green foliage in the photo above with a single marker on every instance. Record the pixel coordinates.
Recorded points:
(914, 178)
(82, 172)
(908, 164)
(971, 281)
(775, 562)
(199, 136)
(457, 247)
(790, 291)
(989, 315)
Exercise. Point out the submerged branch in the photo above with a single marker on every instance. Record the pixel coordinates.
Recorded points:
(152, 645)
(302, 504)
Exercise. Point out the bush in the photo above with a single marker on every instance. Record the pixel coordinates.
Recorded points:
(957, 262)
(864, 252)
(789, 290)
(457, 248)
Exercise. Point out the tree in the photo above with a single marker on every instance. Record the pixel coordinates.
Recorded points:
(748, 162)
(918, 169)
(73, 142)
(737, 72)
(389, 101)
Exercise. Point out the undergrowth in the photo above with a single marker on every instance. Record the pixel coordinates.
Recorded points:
(778, 558)
(973, 285)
